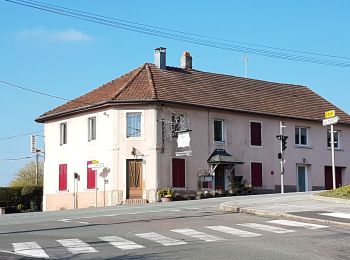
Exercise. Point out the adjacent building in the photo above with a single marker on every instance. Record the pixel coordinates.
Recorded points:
(160, 126)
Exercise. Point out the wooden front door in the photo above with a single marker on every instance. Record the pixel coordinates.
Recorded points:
(134, 179)
(329, 177)
(219, 177)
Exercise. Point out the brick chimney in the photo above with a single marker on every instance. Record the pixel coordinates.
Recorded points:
(186, 61)
(160, 57)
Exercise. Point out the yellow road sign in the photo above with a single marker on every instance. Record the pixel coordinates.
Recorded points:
(330, 113)
(94, 162)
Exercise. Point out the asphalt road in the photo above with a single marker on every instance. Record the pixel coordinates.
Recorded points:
(177, 230)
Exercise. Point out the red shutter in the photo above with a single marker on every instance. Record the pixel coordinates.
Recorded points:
(91, 177)
(256, 172)
(178, 173)
(62, 178)
(255, 133)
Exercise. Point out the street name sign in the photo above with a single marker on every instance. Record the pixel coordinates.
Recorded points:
(329, 114)
(330, 121)
(96, 165)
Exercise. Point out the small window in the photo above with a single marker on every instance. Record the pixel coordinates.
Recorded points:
(178, 166)
(219, 131)
(62, 177)
(336, 139)
(301, 136)
(91, 177)
(63, 133)
(133, 124)
(256, 174)
(255, 133)
(176, 121)
(91, 128)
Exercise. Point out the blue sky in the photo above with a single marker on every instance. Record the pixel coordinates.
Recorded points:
(67, 57)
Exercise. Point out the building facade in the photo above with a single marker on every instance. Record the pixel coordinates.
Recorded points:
(129, 130)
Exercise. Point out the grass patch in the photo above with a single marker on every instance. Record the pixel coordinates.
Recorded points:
(342, 193)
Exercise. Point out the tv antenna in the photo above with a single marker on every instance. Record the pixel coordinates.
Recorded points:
(245, 60)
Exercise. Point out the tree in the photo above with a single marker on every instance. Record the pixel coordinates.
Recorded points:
(26, 176)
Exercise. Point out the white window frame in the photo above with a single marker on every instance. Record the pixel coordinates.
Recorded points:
(63, 133)
(337, 145)
(141, 124)
(223, 131)
(307, 136)
(92, 122)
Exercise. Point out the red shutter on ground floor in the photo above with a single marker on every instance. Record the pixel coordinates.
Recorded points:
(62, 177)
(178, 171)
(256, 172)
(91, 177)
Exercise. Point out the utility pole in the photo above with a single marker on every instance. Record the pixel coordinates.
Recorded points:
(245, 60)
(37, 168)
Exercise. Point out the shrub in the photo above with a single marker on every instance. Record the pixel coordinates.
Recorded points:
(166, 192)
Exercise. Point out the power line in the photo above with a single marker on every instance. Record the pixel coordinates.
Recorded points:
(198, 39)
(43, 93)
(19, 135)
(17, 159)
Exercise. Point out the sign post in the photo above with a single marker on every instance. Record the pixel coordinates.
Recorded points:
(95, 166)
(331, 119)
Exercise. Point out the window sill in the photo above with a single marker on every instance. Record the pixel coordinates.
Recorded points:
(62, 191)
(219, 142)
(256, 146)
(335, 149)
(303, 146)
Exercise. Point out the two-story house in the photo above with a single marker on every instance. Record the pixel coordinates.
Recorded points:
(129, 126)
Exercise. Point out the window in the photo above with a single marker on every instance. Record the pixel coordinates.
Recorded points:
(301, 136)
(92, 128)
(178, 166)
(63, 133)
(219, 131)
(255, 133)
(256, 174)
(62, 177)
(336, 139)
(133, 124)
(91, 177)
(176, 121)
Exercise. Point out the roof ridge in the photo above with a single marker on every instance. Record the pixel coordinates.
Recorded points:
(151, 81)
(127, 83)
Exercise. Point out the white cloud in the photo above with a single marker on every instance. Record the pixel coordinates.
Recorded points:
(67, 35)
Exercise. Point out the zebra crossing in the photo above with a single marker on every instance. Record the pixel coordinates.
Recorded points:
(77, 246)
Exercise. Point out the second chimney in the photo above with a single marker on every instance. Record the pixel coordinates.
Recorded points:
(160, 57)
(186, 61)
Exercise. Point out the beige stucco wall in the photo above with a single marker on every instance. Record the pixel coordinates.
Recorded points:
(237, 143)
(113, 149)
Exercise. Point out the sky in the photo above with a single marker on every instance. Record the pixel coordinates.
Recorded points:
(67, 57)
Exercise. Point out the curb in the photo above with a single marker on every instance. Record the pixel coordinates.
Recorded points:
(263, 213)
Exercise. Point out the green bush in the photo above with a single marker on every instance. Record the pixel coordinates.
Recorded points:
(342, 192)
(20, 199)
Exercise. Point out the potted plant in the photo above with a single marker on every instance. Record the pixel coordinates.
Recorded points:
(166, 194)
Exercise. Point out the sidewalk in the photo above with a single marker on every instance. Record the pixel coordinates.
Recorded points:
(304, 206)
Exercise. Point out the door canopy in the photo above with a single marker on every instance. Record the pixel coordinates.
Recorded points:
(220, 156)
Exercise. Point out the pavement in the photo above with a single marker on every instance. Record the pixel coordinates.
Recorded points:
(304, 206)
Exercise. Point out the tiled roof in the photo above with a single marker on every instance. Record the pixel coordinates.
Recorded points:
(193, 87)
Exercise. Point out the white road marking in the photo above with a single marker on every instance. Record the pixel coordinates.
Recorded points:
(158, 238)
(291, 223)
(272, 229)
(76, 246)
(29, 249)
(336, 215)
(83, 222)
(196, 234)
(64, 220)
(121, 243)
(233, 231)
